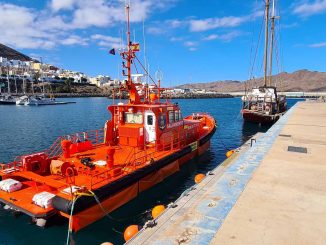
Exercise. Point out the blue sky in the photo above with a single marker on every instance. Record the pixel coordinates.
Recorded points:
(189, 40)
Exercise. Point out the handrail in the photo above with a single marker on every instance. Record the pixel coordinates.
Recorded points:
(95, 136)
(174, 143)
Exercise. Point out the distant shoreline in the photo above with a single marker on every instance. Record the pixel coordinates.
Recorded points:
(179, 96)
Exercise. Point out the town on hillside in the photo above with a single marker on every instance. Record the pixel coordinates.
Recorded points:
(23, 74)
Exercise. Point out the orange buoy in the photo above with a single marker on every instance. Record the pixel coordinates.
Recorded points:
(199, 178)
(229, 153)
(107, 243)
(157, 210)
(130, 232)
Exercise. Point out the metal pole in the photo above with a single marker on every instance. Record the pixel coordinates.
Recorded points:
(15, 80)
(129, 46)
(266, 40)
(271, 45)
(8, 80)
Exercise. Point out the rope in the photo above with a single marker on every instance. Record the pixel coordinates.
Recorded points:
(70, 218)
(107, 213)
(147, 73)
(220, 140)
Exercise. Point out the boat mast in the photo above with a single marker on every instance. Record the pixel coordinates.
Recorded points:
(8, 80)
(129, 56)
(24, 82)
(266, 41)
(129, 44)
(42, 79)
(273, 17)
(15, 74)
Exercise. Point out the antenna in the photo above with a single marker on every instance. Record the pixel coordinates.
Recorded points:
(145, 58)
(134, 36)
(129, 55)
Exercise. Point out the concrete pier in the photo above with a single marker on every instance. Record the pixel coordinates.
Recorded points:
(271, 193)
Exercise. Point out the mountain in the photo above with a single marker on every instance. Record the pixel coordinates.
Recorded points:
(302, 80)
(12, 54)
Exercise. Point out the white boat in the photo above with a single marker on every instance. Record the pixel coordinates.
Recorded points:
(40, 100)
(21, 100)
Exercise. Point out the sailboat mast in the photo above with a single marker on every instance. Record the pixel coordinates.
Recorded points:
(42, 75)
(8, 80)
(266, 40)
(15, 74)
(273, 17)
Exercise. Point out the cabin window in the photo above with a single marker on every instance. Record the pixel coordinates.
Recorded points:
(149, 119)
(180, 115)
(171, 116)
(133, 118)
(176, 116)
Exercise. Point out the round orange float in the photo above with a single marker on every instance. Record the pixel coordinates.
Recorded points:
(130, 232)
(229, 153)
(157, 210)
(199, 178)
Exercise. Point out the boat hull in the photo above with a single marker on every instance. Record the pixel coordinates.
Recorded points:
(256, 117)
(129, 189)
(7, 102)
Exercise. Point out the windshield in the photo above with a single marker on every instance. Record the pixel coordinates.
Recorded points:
(133, 118)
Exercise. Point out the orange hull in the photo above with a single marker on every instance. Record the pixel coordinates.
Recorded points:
(95, 213)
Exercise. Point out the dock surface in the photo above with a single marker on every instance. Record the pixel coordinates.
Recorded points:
(271, 193)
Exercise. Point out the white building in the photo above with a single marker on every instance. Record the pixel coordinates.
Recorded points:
(100, 80)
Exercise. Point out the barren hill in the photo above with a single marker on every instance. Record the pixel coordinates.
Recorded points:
(302, 80)
(12, 54)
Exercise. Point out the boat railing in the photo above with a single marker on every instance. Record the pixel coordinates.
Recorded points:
(259, 101)
(10, 167)
(167, 142)
(55, 149)
(100, 177)
(94, 136)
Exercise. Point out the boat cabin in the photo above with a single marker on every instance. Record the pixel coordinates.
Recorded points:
(263, 94)
(142, 124)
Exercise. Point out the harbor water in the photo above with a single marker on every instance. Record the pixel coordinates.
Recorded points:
(32, 129)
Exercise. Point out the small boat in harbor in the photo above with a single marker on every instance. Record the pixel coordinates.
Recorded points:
(21, 100)
(7, 99)
(86, 175)
(264, 104)
(36, 100)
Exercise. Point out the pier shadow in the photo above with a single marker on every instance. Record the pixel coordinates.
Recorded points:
(249, 129)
